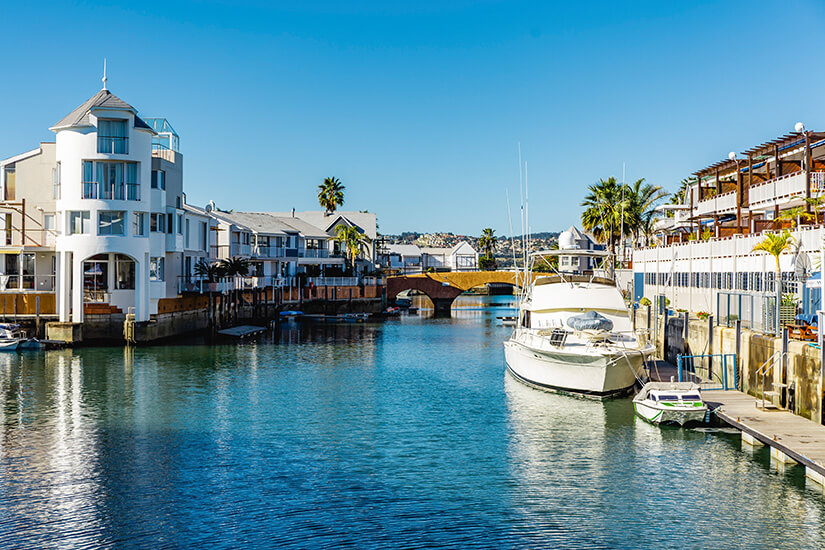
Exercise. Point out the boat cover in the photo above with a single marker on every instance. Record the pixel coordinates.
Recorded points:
(590, 320)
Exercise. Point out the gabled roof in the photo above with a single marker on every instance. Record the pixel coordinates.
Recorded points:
(365, 221)
(255, 221)
(404, 249)
(461, 245)
(104, 99)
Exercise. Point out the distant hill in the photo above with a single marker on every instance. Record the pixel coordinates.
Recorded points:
(543, 235)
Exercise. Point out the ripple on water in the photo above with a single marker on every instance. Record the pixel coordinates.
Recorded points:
(407, 434)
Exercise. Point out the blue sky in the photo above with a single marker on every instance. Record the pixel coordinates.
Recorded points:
(418, 107)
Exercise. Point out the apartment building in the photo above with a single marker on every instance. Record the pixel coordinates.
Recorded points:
(704, 258)
(98, 216)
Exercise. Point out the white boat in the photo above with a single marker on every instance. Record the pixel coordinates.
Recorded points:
(670, 403)
(574, 335)
(10, 336)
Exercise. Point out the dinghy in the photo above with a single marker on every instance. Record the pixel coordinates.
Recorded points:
(670, 403)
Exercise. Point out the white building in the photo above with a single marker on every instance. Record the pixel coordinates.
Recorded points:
(461, 257)
(573, 239)
(99, 216)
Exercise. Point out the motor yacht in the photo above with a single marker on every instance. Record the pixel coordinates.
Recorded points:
(573, 333)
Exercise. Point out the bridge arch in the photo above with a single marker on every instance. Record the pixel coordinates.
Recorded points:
(443, 288)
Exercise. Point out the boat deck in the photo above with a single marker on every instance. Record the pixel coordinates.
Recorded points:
(241, 331)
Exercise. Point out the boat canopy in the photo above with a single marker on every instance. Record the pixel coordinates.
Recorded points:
(590, 320)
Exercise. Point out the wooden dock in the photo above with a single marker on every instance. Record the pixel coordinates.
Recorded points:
(241, 331)
(791, 438)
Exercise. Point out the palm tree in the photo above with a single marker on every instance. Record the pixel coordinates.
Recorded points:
(354, 242)
(603, 211)
(235, 266)
(212, 271)
(775, 244)
(794, 215)
(816, 203)
(488, 241)
(330, 195)
(640, 203)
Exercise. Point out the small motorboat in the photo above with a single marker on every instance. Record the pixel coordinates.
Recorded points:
(10, 336)
(30, 344)
(403, 302)
(670, 403)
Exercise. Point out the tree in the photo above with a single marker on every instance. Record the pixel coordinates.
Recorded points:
(330, 195)
(795, 215)
(603, 210)
(235, 266)
(354, 242)
(212, 271)
(775, 244)
(487, 242)
(816, 203)
(640, 200)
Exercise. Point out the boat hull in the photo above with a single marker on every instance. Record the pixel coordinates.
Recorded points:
(669, 415)
(9, 345)
(590, 375)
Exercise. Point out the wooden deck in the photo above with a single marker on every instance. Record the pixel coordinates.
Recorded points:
(794, 436)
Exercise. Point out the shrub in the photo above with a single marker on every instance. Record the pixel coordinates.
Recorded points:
(644, 301)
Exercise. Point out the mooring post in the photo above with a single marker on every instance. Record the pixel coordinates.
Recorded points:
(783, 375)
(679, 366)
(37, 316)
(738, 347)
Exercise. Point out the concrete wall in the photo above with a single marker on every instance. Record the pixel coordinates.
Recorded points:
(802, 370)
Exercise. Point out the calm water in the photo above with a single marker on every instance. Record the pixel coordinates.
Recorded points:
(403, 434)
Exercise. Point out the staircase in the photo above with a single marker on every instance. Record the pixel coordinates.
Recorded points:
(762, 374)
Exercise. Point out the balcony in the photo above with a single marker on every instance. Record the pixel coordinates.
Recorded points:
(333, 281)
(777, 190)
(27, 283)
(237, 249)
(314, 253)
(111, 145)
(269, 251)
(720, 204)
(199, 284)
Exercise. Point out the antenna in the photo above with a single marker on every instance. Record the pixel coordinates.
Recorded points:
(104, 79)
(621, 230)
(512, 244)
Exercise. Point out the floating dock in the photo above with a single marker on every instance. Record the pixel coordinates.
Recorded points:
(791, 438)
(241, 331)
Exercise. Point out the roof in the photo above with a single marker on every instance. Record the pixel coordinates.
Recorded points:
(365, 221)
(306, 229)
(461, 245)
(21, 156)
(258, 222)
(436, 250)
(404, 249)
(104, 99)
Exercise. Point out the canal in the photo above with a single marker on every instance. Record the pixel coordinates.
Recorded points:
(406, 434)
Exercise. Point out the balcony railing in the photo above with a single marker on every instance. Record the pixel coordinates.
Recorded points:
(720, 204)
(333, 281)
(777, 189)
(268, 251)
(27, 283)
(111, 145)
(199, 284)
(314, 253)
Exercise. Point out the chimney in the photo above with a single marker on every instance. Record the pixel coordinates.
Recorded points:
(293, 212)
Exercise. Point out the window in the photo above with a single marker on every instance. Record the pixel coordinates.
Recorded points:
(110, 222)
(156, 269)
(157, 224)
(132, 187)
(180, 224)
(170, 223)
(187, 233)
(177, 202)
(56, 182)
(124, 272)
(139, 224)
(108, 180)
(158, 179)
(245, 237)
(205, 236)
(9, 184)
(79, 223)
(112, 137)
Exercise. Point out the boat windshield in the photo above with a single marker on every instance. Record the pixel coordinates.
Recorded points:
(691, 397)
(666, 397)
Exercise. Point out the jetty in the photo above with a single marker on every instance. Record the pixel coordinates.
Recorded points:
(791, 438)
(241, 331)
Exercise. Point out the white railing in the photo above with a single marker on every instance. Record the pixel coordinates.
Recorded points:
(773, 190)
(314, 253)
(333, 281)
(27, 283)
(719, 204)
(269, 251)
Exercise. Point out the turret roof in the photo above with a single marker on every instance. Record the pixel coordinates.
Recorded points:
(104, 99)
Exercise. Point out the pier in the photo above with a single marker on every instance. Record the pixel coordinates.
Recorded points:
(791, 438)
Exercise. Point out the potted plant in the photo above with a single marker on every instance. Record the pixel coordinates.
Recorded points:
(787, 308)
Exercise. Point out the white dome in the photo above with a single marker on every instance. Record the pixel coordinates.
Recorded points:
(566, 240)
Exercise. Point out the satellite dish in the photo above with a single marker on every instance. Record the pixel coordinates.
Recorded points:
(803, 268)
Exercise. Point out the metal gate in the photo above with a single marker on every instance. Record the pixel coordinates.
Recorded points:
(718, 371)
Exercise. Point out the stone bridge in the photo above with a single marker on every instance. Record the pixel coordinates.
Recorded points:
(443, 288)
